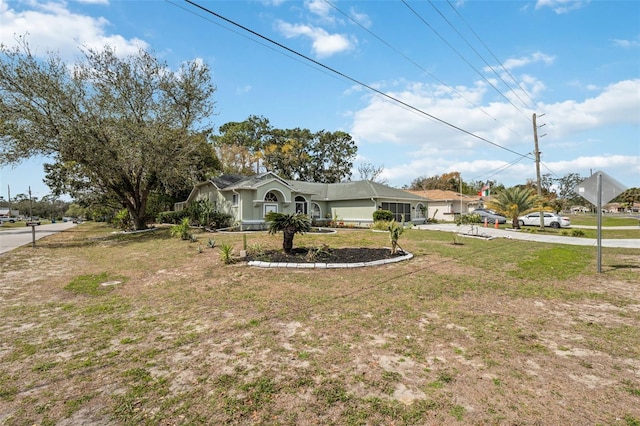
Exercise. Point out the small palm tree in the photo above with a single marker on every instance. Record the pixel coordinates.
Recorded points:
(513, 202)
(290, 225)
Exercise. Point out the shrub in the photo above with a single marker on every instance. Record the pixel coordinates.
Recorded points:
(122, 220)
(171, 217)
(182, 230)
(468, 219)
(382, 215)
(227, 253)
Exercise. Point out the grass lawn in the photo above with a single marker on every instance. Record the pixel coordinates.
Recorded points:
(102, 328)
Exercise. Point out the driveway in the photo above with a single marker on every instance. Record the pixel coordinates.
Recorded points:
(529, 236)
(11, 238)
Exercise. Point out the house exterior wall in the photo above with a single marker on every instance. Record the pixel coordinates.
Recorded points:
(356, 212)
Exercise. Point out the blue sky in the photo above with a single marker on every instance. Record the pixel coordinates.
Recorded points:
(472, 72)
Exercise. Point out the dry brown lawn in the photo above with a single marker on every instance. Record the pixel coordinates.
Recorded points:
(106, 329)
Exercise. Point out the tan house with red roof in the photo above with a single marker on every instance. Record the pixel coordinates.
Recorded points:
(445, 205)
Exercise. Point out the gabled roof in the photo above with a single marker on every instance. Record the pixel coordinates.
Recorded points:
(255, 181)
(441, 195)
(221, 182)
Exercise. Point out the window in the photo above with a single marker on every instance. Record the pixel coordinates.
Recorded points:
(270, 208)
(420, 211)
(301, 205)
(400, 211)
(316, 213)
(234, 200)
(270, 197)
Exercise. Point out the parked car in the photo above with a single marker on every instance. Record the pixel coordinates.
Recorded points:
(550, 219)
(491, 216)
(10, 219)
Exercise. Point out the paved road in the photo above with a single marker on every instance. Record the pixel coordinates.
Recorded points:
(529, 236)
(16, 237)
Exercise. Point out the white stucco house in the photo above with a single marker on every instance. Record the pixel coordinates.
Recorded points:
(249, 198)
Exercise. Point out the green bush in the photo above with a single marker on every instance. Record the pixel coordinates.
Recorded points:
(122, 220)
(182, 230)
(171, 217)
(382, 215)
(468, 219)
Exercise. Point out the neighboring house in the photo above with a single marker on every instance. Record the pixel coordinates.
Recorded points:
(445, 205)
(249, 198)
(621, 208)
(580, 209)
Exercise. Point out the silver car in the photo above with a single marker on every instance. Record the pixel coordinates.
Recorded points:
(491, 216)
(550, 219)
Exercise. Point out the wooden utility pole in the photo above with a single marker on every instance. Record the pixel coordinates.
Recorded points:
(537, 153)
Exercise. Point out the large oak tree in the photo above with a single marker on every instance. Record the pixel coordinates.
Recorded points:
(121, 126)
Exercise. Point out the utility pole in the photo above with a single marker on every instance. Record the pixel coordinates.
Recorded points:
(537, 153)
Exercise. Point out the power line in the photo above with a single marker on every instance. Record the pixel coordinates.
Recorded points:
(354, 80)
(406, 57)
(424, 21)
(492, 54)
(477, 53)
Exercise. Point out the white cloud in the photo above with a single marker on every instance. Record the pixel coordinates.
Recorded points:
(626, 43)
(422, 146)
(93, 1)
(561, 6)
(318, 7)
(536, 57)
(361, 18)
(618, 103)
(53, 25)
(323, 43)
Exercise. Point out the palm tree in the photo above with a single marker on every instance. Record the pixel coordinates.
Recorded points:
(513, 202)
(290, 225)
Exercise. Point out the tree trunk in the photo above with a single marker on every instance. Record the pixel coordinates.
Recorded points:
(287, 242)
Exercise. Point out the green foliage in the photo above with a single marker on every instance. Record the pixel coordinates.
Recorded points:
(211, 243)
(182, 230)
(395, 230)
(382, 215)
(171, 217)
(122, 220)
(513, 202)
(226, 253)
(289, 224)
(468, 219)
(90, 284)
(120, 126)
(291, 153)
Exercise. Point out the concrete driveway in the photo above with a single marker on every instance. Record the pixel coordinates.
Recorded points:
(11, 238)
(529, 236)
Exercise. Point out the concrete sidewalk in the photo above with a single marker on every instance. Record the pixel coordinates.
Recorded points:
(529, 236)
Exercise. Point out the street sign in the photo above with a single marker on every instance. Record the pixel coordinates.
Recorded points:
(599, 189)
(588, 188)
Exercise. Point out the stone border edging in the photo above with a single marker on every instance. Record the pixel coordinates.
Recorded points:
(320, 265)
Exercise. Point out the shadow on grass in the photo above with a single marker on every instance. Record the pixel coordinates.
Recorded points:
(624, 266)
(78, 237)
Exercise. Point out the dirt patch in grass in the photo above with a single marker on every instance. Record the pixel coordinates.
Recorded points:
(449, 337)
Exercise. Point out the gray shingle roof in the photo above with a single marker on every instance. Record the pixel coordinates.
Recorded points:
(356, 190)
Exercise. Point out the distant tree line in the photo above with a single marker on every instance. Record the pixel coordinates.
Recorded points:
(253, 146)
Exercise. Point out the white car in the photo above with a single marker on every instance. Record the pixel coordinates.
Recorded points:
(550, 219)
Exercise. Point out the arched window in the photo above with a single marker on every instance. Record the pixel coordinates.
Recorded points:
(420, 211)
(301, 205)
(316, 213)
(270, 197)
